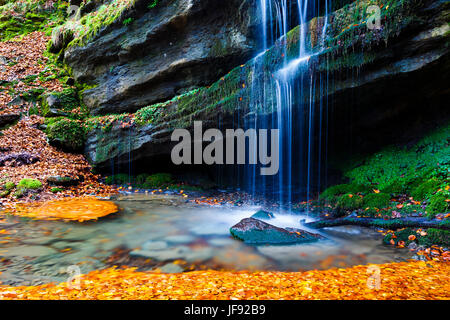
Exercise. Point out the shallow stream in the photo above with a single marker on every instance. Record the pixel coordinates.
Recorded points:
(172, 234)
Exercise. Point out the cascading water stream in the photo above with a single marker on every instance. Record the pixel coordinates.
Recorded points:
(291, 115)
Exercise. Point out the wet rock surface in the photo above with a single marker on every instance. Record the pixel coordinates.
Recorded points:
(166, 50)
(254, 231)
(63, 181)
(399, 78)
(263, 215)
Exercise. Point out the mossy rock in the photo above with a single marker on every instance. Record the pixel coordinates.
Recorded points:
(9, 185)
(25, 185)
(141, 178)
(62, 103)
(426, 189)
(417, 170)
(331, 194)
(120, 179)
(438, 204)
(29, 184)
(66, 134)
(4, 193)
(158, 180)
(263, 215)
(376, 200)
(257, 232)
(61, 37)
(62, 181)
(348, 202)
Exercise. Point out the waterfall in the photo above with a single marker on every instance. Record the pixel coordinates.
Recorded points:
(300, 153)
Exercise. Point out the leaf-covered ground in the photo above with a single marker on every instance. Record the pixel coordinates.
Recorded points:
(24, 136)
(407, 280)
(25, 74)
(23, 69)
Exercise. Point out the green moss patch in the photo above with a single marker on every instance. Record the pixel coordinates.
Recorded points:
(65, 102)
(29, 184)
(376, 200)
(22, 17)
(438, 204)
(91, 23)
(158, 180)
(349, 201)
(66, 133)
(426, 189)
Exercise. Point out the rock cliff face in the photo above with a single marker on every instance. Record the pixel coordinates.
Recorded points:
(152, 54)
(387, 69)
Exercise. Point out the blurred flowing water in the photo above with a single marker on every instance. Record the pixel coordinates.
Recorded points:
(300, 119)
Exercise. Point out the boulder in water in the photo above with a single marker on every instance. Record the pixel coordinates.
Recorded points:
(254, 231)
(263, 215)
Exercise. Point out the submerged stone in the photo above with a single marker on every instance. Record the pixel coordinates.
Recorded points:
(264, 215)
(154, 245)
(181, 238)
(27, 251)
(171, 268)
(174, 253)
(254, 231)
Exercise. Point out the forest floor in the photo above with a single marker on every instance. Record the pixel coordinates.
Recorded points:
(24, 71)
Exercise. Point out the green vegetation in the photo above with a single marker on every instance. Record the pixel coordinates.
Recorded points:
(430, 237)
(23, 17)
(56, 190)
(9, 185)
(152, 4)
(65, 102)
(91, 23)
(153, 112)
(155, 181)
(421, 171)
(158, 180)
(422, 168)
(127, 21)
(349, 202)
(426, 189)
(66, 133)
(24, 186)
(28, 183)
(7, 188)
(141, 178)
(376, 200)
(331, 194)
(120, 179)
(438, 204)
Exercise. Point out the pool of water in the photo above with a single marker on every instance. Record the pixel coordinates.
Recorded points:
(154, 231)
